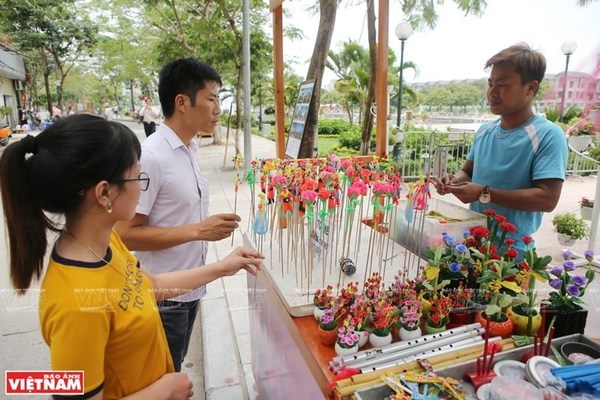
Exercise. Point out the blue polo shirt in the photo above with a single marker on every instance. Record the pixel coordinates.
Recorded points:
(512, 159)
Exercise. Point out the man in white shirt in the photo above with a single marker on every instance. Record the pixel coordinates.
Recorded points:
(171, 225)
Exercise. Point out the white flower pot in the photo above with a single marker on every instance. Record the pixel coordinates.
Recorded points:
(380, 341)
(565, 240)
(318, 313)
(343, 351)
(586, 213)
(363, 338)
(580, 143)
(406, 335)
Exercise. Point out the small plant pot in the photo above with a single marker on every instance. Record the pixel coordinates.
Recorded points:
(380, 341)
(363, 338)
(434, 329)
(520, 322)
(406, 334)
(586, 213)
(345, 351)
(580, 143)
(318, 313)
(565, 240)
(327, 338)
(503, 329)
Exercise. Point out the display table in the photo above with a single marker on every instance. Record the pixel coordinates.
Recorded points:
(287, 363)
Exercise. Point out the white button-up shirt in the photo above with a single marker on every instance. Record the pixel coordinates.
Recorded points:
(177, 195)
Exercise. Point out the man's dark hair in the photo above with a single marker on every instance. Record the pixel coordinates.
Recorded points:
(183, 76)
(529, 64)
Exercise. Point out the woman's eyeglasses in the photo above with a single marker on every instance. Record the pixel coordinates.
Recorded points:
(142, 178)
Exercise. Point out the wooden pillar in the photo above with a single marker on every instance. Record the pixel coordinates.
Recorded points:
(382, 77)
(277, 10)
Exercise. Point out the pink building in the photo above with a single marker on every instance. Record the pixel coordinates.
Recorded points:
(582, 90)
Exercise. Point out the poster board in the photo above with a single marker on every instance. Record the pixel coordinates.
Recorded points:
(305, 92)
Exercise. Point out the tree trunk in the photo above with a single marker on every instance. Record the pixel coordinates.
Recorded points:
(328, 10)
(218, 136)
(350, 114)
(47, 82)
(238, 113)
(367, 126)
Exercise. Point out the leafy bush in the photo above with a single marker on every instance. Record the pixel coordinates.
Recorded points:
(570, 224)
(351, 138)
(333, 126)
(552, 114)
(571, 113)
(595, 153)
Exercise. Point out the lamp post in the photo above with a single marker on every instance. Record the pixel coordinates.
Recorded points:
(568, 48)
(260, 106)
(403, 32)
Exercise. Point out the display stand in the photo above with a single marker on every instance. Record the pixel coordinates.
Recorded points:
(285, 350)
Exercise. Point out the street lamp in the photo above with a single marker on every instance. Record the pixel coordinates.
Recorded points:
(403, 32)
(568, 48)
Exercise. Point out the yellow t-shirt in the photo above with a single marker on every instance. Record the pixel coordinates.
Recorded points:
(103, 319)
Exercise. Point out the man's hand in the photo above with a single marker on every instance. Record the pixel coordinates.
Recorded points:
(218, 226)
(467, 192)
(441, 185)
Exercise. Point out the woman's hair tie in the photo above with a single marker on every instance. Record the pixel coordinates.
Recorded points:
(29, 144)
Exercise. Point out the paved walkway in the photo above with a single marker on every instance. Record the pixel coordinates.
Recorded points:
(220, 356)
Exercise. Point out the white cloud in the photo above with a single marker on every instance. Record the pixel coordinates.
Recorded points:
(459, 46)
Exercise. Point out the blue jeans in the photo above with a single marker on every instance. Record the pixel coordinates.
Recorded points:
(178, 321)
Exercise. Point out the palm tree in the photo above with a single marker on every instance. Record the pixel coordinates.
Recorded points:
(350, 65)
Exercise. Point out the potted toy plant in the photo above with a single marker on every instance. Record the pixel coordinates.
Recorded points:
(566, 300)
(581, 134)
(437, 316)
(587, 208)
(500, 324)
(384, 318)
(569, 228)
(526, 319)
(322, 300)
(410, 317)
(347, 340)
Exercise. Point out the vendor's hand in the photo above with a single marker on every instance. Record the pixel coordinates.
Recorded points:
(441, 185)
(242, 258)
(467, 192)
(179, 385)
(218, 226)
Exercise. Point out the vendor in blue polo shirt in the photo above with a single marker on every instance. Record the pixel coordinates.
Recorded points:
(517, 163)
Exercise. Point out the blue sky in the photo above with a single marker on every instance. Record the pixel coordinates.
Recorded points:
(459, 45)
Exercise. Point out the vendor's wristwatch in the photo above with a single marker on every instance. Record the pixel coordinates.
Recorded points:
(485, 196)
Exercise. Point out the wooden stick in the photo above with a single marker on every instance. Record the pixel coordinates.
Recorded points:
(550, 336)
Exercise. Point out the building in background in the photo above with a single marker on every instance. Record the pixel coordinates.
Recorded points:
(12, 89)
(583, 90)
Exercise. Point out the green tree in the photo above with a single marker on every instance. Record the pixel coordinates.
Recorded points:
(59, 31)
(464, 95)
(213, 33)
(123, 56)
(350, 65)
(421, 13)
(437, 97)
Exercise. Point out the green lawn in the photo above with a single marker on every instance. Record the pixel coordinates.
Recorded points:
(326, 144)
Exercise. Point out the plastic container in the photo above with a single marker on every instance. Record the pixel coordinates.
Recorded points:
(449, 218)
